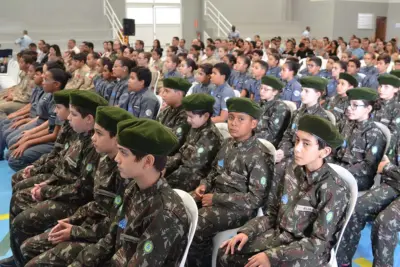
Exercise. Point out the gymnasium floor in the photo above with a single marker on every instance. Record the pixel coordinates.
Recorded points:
(363, 257)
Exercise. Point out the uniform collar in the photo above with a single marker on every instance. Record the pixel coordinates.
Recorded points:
(362, 124)
(141, 91)
(220, 87)
(389, 102)
(143, 195)
(312, 109)
(246, 144)
(315, 176)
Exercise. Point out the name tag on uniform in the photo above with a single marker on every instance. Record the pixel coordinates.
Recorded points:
(385, 121)
(338, 109)
(358, 150)
(304, 208)
(122, 223)
(265, 117)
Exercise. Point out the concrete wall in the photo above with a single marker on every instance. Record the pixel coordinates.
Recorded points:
(346, 16)
(56, 21)
(191, 10)
(392, 19)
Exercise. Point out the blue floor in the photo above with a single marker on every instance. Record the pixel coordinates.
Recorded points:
(363, 257)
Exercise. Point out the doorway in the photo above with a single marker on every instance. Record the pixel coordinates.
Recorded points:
(380, 31)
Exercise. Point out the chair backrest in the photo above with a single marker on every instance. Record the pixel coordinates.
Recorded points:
(303, 64)
(156, 83)
(291, 105)
(161, 101)
(193, 214)
(331, 116)
(391, 65)
(324, 62)
(190, 91)
(237, 93)
(223, 129)
(269, 148)
(363, 63)
(282, 61)
(386, 132)
(352, 185)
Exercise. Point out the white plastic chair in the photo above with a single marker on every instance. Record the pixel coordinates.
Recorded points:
(237, 93)
(386, 132)
(223, 129)
(363, 63)
(282, 61)
(221, 237)
(303, 64)
(324, 62)
(190, 91)
(331, 116)
(291, 105)
(352, 184)
(193, 214)
(161, 101)
(391, 65)
(156, 83)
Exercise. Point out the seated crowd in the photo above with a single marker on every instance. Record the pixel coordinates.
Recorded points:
(98, 141)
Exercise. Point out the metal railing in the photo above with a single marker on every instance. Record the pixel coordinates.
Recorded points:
(223, 24)
(116, 24)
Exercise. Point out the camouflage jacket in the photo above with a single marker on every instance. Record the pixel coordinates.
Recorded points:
(240, 175)
(47, 162)
(72, 179)
(149, 230)
(193, 161)
(391, 172)
(361, 151)
(302, 216)
(289, 136)
(273, 122)
(92, 221)
(338, 105)
(176, 120)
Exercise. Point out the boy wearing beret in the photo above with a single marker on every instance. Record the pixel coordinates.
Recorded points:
(304, 212)
(236, 186)
(174, 116)
(151, 225)
(33, 210)
(364, 143)
(193, 161)
(275, 115)
(339, 103)
(42, 169)
(90, 222)
(142, 102)
(313, 89)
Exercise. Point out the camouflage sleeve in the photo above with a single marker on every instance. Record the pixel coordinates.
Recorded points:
(93, 234)
(181, 129)
(287, 140)
(394, 127)
(274, 125)
(367, 165)
(94, 254)
(392, 171)
(163, 234)
(331, 211)
(253, 198)
(173, 162)
(81, 187)
(79, 216)
(209, 180)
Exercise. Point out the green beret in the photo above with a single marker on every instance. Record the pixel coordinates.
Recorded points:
(314, 82)
(199, 102)
(321, 128)
(177, 84)
(362, 93)
(349, 78)
(108, 117)
(87, 99)
(62, 97)
(146, 136)
(273, 82)
(395, 73)
(244, 105)
(389, 79)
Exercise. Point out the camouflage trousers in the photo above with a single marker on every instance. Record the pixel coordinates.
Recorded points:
(29, 218)
(18, 182)
(372, 206)
(211, 221)
(39, 251)
(260, 243)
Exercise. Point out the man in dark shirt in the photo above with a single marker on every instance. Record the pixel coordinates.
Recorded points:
(304, 51)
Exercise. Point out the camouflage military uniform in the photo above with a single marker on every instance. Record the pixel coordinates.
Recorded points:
(176, 120)
(88, 80)
(90, 222)
(389, 115)
(149, 230)
(241, 173)
(338, 105)
(361, 151)
(45, 165)
(192, 163)
(69, 187)
(375, 205)
(78, 78)
(274, 121)
(299, 226)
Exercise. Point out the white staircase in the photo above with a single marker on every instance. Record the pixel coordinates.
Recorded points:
(115, 23)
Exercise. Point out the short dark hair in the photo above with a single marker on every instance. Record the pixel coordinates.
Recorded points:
(223, 69)
(355, 61)
(202, 112)
(231, 58)
(335, 58)
(343, 65)
(263, 64)
(143, 74)
(28, 59)
(276, 56)
(317, 61)
(293, 66)
(191, 63)
(158, 51)
(159, 161)
(174, 49)
(207, 68)
(258, 52)
(212, 47)
(32, 45)
(58, 64)
(84, 111)
(80, 57)
(246, 60)
(60, 76)
(126, 62)
(39, 68)
(385, 57)
(95, 55)
(175, 38)
(175, 59)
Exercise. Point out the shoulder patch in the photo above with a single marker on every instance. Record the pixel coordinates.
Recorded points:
(148, 247)
(89, 167)
(149, 112)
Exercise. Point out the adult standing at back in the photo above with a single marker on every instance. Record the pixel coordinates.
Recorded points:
(306, 33)
(234, 35)
(24, 41)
